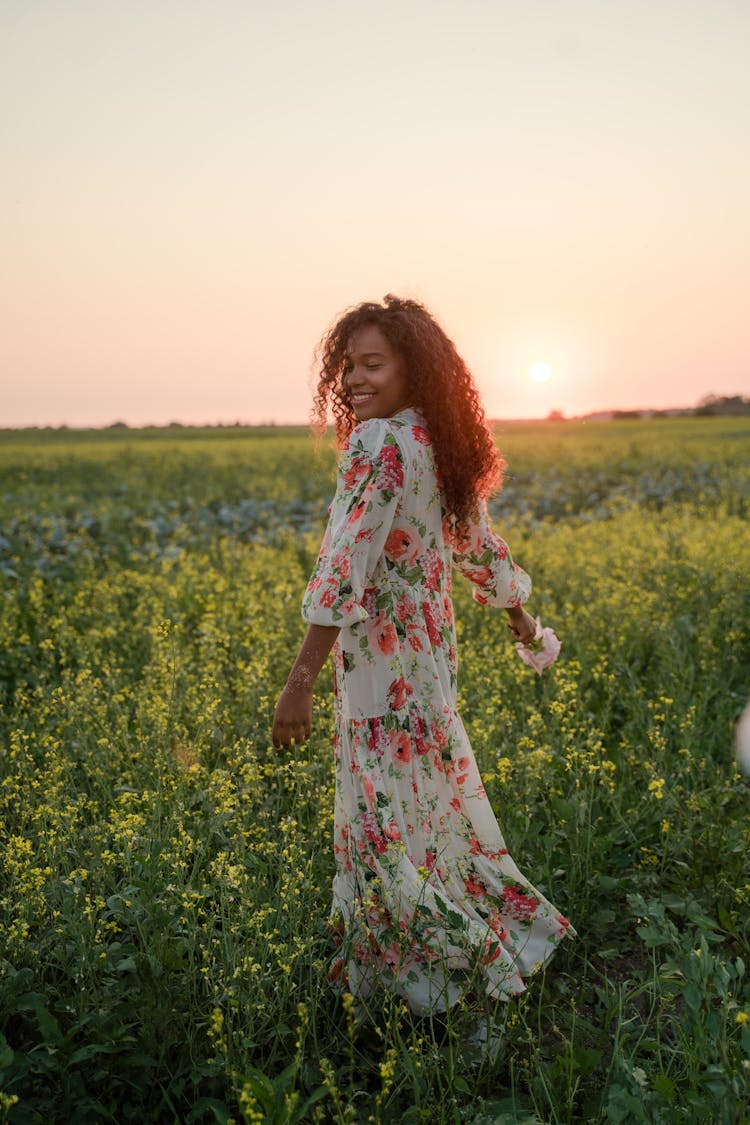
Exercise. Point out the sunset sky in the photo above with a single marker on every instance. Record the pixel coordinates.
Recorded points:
(191, 192)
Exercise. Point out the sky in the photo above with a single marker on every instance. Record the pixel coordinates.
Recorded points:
(193, 190)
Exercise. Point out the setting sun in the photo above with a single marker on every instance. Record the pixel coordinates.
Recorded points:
(540, 372)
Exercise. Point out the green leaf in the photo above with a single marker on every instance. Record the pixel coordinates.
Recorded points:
(693, 997)
(208, 1105)
(6, 1053)
(90, 1050)
(262, 1088)
(664, 1086)
(48, 1025)
(302, 1112)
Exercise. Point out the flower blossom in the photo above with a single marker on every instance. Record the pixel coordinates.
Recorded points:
(542, 651)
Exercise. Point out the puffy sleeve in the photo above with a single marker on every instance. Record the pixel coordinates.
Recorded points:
(484, 558)
(368, 491)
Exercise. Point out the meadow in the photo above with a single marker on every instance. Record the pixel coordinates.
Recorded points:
(164, 873)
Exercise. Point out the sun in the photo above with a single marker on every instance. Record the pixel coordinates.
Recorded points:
(540, 372)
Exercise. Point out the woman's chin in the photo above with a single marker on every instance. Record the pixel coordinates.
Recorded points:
(365, 411)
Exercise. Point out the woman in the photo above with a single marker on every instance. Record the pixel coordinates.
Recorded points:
(426, 900)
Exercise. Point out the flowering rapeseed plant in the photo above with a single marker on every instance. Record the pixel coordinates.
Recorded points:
(165, 875)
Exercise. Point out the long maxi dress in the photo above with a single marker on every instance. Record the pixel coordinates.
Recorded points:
(427, 902)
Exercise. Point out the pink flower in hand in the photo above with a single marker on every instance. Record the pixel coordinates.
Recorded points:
(742, 740)
(542, 651)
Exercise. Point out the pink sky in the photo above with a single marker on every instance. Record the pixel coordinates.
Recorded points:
(193, 190)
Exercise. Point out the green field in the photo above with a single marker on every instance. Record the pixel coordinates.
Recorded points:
(164, 873)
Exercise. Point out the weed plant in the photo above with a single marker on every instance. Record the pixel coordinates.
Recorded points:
(164, 873)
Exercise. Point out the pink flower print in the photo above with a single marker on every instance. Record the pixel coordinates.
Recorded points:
(368, 600)
(415, 636)
(401, 746)
(455, 804)
(392, 955)
(404, 609)
(479, 575)
(429, 860)
(391, 474)
(439, 735)
(357, 471)
(328, 597)
(386, 636)
(496, 924)
(419, 433)
(417, 729)
(373, 834)
(336, 972)
(369, 789)
(563, 925)
(475, 887)
(491, 950)
(401, 545)
(519, 906)
(433, 630)
(398, 693)
(358, 510)
(378, 740)
(392, 831)
(342, 564)
(432, 566)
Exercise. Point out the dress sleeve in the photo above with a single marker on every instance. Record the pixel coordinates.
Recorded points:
(368, 491)
(485, 559)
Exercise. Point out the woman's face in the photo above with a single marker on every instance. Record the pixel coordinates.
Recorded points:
(375, 376)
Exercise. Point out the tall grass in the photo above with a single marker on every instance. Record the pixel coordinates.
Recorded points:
(164, 873)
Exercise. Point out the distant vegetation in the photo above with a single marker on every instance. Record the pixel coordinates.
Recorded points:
(709, 406)
(723, 404)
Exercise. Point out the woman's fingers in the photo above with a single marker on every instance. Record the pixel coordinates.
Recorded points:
(285, 734)
(525, 636)
(292, 719)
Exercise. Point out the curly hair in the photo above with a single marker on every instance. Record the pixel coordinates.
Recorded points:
(441, 387)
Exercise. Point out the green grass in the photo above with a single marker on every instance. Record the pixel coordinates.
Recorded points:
(164, 873)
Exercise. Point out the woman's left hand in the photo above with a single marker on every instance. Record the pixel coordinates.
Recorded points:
(521, 624)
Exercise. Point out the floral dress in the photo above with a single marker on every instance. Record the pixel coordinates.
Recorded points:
(426, 900)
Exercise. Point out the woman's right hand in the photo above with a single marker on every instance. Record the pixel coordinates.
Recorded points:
(292, 719)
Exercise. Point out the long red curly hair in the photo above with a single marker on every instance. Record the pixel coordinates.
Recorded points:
(441, 387)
